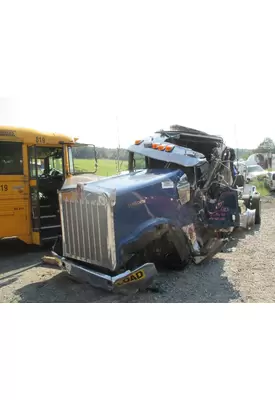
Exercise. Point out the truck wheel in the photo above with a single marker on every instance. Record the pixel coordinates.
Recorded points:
(246, 199)
(174, 263)
(256, 205)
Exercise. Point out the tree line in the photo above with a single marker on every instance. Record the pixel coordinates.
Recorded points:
(102, 152)
(266, 146)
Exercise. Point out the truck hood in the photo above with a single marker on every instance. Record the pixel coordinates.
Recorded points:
(130, 181)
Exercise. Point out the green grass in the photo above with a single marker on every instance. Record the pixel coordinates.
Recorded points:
(260, 185)
(106, 167)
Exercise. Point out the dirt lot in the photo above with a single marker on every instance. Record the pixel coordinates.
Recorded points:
(243, 272)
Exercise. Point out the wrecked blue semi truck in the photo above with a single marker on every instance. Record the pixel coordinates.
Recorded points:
(178, 202)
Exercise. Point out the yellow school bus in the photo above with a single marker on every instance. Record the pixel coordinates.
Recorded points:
(33, 167)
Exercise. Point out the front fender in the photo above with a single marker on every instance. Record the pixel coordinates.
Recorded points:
(147, 226)
(152, 230)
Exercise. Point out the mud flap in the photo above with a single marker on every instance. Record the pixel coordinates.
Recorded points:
(212, 247)
(132, 281)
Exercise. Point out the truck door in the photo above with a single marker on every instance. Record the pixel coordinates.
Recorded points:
(14, 192)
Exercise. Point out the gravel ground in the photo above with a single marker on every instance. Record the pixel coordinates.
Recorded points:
(243, 272)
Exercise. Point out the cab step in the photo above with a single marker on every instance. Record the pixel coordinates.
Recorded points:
(50, 227)
(49, 238)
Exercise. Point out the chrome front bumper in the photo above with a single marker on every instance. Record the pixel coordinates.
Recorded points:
(139, 278)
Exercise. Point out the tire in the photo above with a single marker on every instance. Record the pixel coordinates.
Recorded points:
(246, 199)
(255, 204)
(172, 262)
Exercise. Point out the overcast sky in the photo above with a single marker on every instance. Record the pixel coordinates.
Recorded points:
(75, 66)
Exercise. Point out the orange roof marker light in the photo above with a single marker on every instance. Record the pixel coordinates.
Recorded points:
(169, 147)
(161, 147)
(157, 146)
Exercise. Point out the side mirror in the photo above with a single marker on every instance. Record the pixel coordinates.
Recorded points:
(89, 163)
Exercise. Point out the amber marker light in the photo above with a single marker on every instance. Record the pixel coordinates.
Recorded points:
(169, 147)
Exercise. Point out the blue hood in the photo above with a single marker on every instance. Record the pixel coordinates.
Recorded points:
(132, 181)
(144, 200)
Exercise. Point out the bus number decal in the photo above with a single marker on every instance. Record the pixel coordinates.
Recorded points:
(4, 188)
(40, 140)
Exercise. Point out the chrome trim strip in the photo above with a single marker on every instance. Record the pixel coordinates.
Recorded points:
(82, 225)
(61, 208)
(73, 230)
(89, 235)
(93, 237)
(111, 240)
(99, 232)
(76, 204)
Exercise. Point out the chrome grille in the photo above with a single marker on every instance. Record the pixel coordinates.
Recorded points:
(88, 227)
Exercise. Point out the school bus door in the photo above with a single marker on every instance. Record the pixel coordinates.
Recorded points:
(14, 192)
(46, 224)
(34, 194)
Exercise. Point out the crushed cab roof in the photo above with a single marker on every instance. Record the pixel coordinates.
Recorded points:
(192, 147)
(180, 155)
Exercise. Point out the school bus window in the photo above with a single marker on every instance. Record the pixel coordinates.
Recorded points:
(49, 162)
(11, 159)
